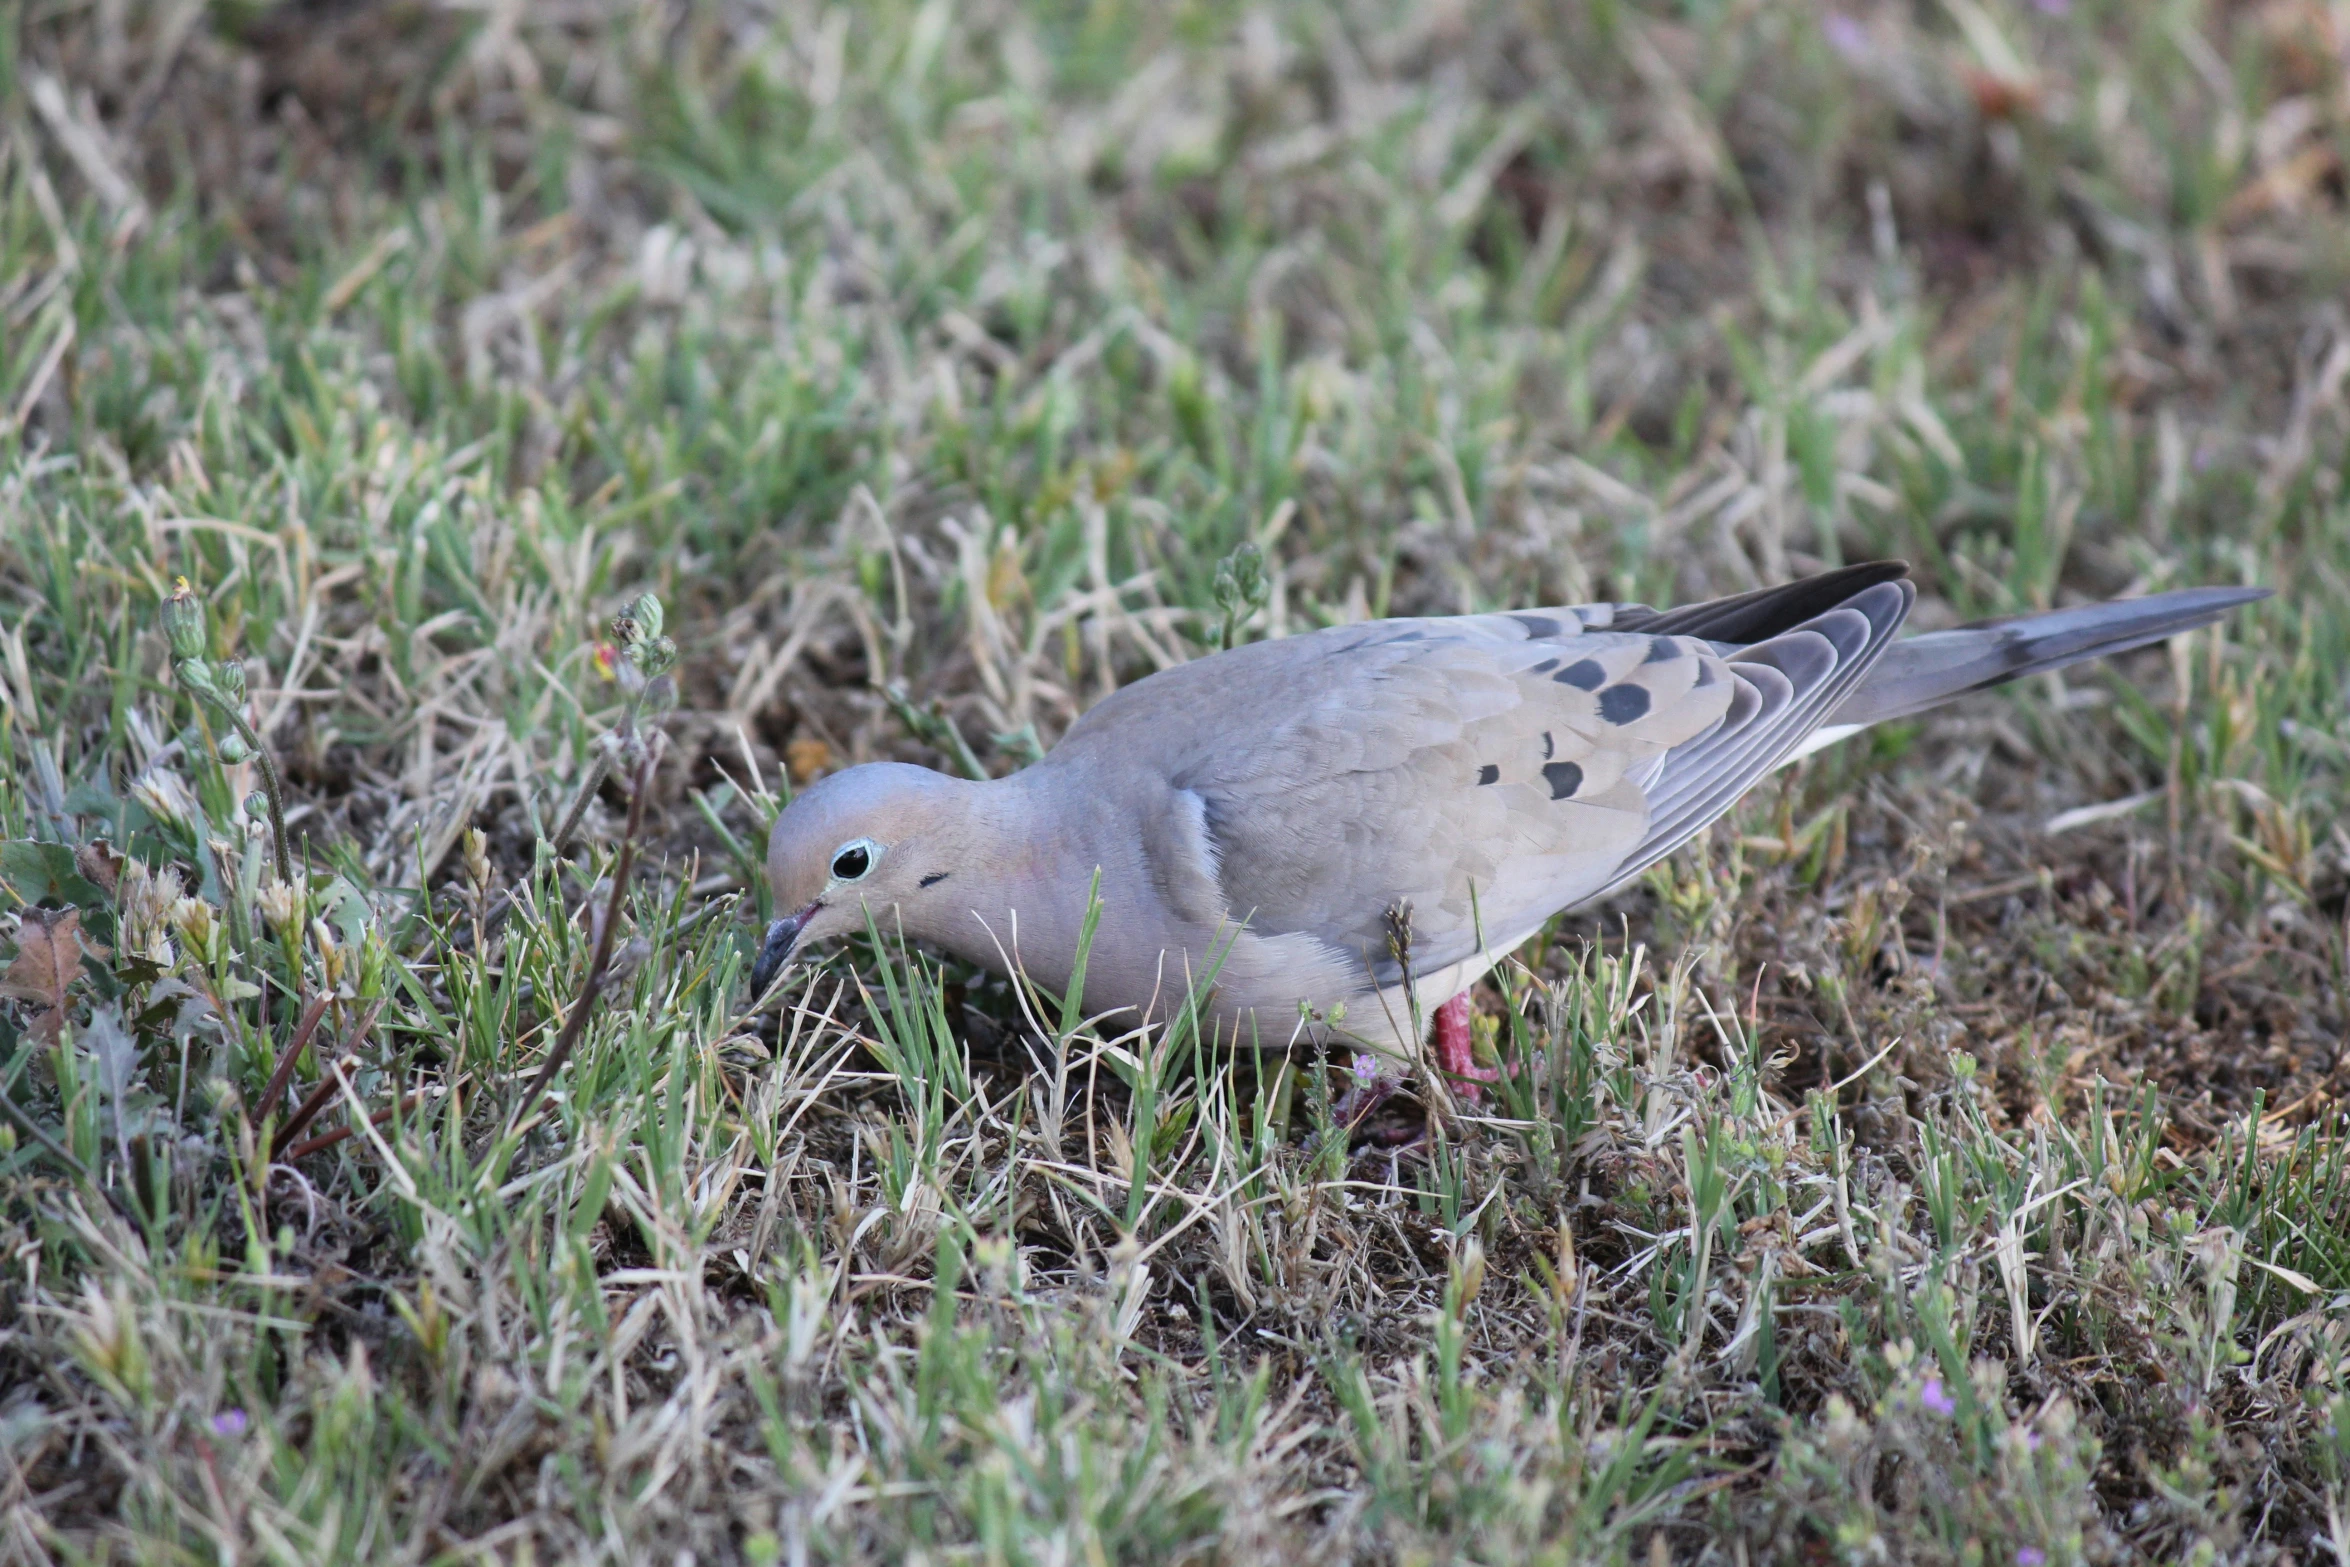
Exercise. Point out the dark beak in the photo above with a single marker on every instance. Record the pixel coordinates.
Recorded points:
(774, 950)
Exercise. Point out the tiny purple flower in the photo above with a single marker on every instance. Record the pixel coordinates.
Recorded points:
(1932, 1396)
(1366, 1069)
(2031, 1441)
(229, 1422)
(2031, 1555)
(1846, 36)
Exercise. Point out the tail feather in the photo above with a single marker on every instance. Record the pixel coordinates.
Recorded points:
(1924, 671)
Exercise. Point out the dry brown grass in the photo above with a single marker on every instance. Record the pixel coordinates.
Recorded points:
(1927, 1167)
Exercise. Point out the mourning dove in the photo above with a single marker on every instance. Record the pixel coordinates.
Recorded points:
(1267, 824)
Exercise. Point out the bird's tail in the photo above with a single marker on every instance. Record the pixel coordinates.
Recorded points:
(1924, 671)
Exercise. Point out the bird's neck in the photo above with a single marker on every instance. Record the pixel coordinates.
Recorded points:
(1017, 886)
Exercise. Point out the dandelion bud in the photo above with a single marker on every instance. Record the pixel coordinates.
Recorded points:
(1241, 584)
(656, 656)
(646, 612)
(196, 675)
(183, 622)
(257, 806)
(637, 628)
(232, 749)
(232, 681)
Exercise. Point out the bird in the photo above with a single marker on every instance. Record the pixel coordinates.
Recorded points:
(1331, 837)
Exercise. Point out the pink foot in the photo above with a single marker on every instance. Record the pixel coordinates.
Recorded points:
(1455, 1050)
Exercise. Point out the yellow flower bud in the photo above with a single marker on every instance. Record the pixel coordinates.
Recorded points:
(183, 622)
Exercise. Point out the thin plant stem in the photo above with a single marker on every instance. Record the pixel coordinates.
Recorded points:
(623, 736)
(284, 1073)
(575, 1022)
(309, 1109)
(588, 786)
(325, 1140)
(275, 788)
(273, 784)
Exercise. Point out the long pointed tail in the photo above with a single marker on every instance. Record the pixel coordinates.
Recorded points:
(1923, 671)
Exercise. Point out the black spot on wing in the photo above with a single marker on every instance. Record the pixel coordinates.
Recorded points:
(1539, 628)
(1623, 704)
(1489, 773)
(1584, 675)
(1546, 666)
(934, 878)
(1549, 749)
(1564, 779)
(1662, 650)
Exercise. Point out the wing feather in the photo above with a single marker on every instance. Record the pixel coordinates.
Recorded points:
(1488, 770)
(1798, 679)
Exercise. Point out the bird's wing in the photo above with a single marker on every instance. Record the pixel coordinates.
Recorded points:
(1486, 770)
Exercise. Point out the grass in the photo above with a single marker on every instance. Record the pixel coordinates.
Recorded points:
(1943, 1161)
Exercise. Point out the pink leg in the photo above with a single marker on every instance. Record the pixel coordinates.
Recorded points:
(1455, 1053)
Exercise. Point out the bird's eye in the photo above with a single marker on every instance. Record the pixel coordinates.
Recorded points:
(853, 859)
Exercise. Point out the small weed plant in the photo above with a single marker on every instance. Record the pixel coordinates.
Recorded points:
(463, 468)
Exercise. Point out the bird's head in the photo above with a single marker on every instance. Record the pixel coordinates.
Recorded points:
(876, 838)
